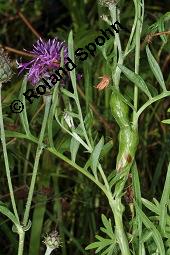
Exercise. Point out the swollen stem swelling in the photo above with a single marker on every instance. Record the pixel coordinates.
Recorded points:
(128, 136)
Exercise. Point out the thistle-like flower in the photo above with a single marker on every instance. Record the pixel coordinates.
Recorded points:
(5, 67)
(52, 241)
(47, 56)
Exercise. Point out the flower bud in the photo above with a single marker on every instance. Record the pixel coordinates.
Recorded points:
(52, 240)
(5, 67)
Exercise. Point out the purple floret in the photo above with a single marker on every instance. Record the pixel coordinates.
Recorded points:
(47, 58)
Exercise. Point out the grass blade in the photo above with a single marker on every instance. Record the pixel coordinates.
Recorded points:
(155, 68)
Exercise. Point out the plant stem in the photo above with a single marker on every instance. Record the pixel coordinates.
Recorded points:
(6, 160)
(104, 177)
(116, 73)
(21, 242)
(137, 49)
(77, 167)
(34, 174)
(57, 210)
(48, 251)
(149, 102)
(37, 158)
(122, 240)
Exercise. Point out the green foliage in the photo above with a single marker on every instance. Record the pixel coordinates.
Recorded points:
(108, 243)
(136, 79)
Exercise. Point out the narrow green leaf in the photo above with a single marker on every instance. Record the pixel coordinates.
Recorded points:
(165, 201)
(155, 68)
(103, 244)
(71, 56)
(93, 246)
(155, 233)
(161, 25)
(123, 98)
(136, 79)
(118, 177)
(166, 121)
(110, 249)
(152, 207)
(72, 114)
(4, 210)
(74, 146)
(20, 135)
(106, 223)
(67, 93)
(78, 138)
(108, 226)
(95, 155)
(23, 114)
(146, 236)
(106, 148)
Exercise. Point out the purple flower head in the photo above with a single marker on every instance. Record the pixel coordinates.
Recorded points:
(47, 57)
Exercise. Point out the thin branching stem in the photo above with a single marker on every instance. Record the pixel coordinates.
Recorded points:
(37, 158)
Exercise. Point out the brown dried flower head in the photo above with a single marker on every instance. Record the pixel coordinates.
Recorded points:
(53, 240)
(108, 3)
(5, 67)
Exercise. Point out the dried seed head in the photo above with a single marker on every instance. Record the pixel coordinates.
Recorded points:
(108, 3)
(52, 240)
(5, 67)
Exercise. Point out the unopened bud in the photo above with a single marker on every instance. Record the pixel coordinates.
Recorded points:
(5, 67)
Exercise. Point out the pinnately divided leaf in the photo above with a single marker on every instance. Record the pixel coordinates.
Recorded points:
(136, 79)
(106, 244)
(155, 233)
(155, 68)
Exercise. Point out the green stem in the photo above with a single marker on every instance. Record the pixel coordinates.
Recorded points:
(57, 210)
(21, 242)
(122, 240)
(116, 73)
(104, 177)
(37, 158)
(3, 140)
(149, 102)
(77, 167)
(34, 174)
(137, 49)
(48, 251)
